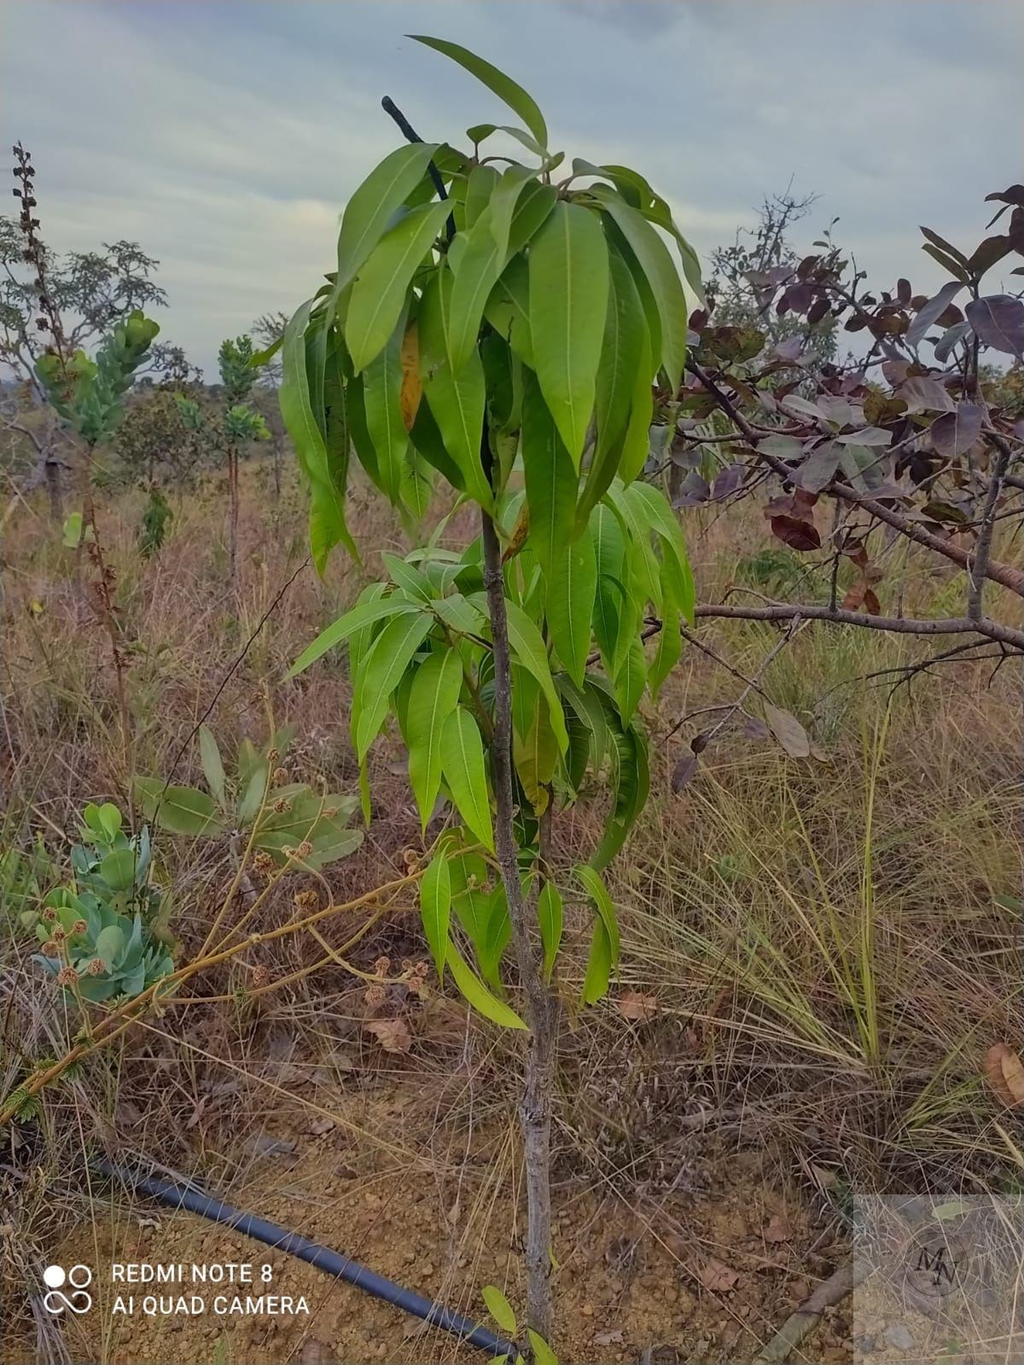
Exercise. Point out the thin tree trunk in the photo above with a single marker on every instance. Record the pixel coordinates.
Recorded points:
(535, 1106)
(233, 527)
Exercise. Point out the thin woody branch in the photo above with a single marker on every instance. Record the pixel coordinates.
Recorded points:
(1004, 574)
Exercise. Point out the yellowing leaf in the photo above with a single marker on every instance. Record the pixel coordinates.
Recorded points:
(412, 389)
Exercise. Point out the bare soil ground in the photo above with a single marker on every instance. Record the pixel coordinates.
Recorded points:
(706, 1274)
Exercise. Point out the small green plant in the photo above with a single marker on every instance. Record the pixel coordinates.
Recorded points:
(22, 878)
(504, 1315)
(101, 934)
(155, 519)
(509, 332)
(286, 820)
(89, 394)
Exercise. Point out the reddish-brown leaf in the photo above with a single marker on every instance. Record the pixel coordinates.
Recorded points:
(854, 598)
(797, 534)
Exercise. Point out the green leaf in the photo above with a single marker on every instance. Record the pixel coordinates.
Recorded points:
(461, 615)
(631, 785)
(505, 206)
(408, 577)
(72, 531)
(551, 479)
(389, 657)
(542, 1352)
(631, 679)
(527, 647)
(382, 284)
(213, 767)
(610, 551)
(462, 762)
(382, 402)
(179, 810)
(426, 437)
(480, 185)
(568, 271)
(654, 259)
(110, 945)
(436, 907)
(118, 868)
(599, 966)
(534, 749)
(676, 562)
(622, 361)
(636, 442)
(369, 210)
(475, 277)
(571, 594)
(550, 912)
(252, 797)
(432, 698)
(585, 703)
(327, 516)
(496, 81)
(508, 309)
(456, 402)
(670, 642)
(477, 993)
(363, 614)
(604, 950)
(500, 1309)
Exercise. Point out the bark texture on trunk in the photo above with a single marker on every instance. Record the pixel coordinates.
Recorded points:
(535, 1106)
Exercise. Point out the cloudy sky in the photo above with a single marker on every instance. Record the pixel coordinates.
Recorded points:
(226, 135)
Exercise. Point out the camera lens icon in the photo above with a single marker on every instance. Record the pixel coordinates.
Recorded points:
(78, 1278)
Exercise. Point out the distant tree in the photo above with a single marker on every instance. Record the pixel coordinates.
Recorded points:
(64, 304)
(267, 330)
(761, 255)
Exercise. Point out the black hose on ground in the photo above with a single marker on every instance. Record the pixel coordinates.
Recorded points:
(342, 1267)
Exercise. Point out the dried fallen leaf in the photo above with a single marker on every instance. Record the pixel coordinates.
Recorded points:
(788, 731)
(717, 1277)
(609, 1338)
(1005, 1074)
(392, 1034)
(633, 1005)
(777, 1229)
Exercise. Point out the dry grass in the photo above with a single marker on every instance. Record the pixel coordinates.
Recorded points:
(831, 943)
